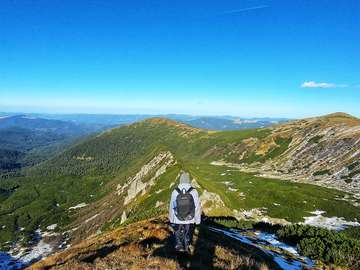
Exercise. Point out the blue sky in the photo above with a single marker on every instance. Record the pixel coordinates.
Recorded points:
(246, 57)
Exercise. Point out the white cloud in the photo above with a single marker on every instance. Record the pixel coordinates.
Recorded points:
(312, 84)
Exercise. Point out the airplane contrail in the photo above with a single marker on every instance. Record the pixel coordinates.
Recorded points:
(244, 9)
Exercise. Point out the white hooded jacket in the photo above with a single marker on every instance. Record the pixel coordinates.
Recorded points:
(172, 206)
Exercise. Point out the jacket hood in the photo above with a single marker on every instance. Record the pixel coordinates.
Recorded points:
(185, 186)
(184, 178)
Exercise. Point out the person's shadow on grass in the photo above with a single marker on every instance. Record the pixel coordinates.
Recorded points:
(201, 250)
(203, 254)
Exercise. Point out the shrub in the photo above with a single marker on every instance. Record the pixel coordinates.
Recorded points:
(321, 172)
(352, 174)
(352, 232)
(230, 222)
(322, 244)
(316, 138)
(353, 165)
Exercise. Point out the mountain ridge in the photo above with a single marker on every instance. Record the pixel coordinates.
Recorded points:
(126, 174)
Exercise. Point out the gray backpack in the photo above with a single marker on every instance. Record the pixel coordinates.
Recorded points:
(185, 205)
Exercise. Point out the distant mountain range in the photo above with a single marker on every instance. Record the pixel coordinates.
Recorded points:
(27, 140)
(280, 174)
(103, 121)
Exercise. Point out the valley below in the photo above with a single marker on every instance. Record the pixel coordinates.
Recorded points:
(269, 196)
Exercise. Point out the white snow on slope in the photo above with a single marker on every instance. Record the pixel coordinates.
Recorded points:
(80, 205)
(42, 249)
(91, 218)
(262, 240)
(331, 223)
(51, 227)
(21, 257)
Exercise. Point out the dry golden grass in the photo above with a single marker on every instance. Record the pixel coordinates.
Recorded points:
(148, 245)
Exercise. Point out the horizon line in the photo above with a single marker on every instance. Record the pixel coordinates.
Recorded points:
(167, 114)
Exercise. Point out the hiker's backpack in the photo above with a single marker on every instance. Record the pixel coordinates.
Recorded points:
(185, 205)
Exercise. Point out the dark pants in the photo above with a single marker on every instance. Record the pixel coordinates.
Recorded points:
(183, 234)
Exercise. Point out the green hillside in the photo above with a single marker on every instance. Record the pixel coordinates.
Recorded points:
(91, 172)
(113, 150)
(27, 140)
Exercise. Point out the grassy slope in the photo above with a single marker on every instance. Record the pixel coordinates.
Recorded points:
(295, 200)
(96, 166)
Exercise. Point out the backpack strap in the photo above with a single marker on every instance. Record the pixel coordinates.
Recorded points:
(180, 192)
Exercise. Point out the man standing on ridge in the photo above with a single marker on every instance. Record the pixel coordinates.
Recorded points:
(184, 212)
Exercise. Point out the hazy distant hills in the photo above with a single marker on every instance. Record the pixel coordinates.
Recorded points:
(215, 123)
(280, 173)
(31, 138)
(26, 140)
(33, 123)
(102, 121)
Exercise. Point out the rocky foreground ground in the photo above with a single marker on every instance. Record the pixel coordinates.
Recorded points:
(149, 245)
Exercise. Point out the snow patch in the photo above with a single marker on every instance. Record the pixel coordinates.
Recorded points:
(271, 239)
(42, 249)
(226, 183)
(21, 257)
(267, 242)
(51, 227)
(317, 212)
(91, 218)
(331, 223)
(255, 212)
(80, 205)
(276, 204)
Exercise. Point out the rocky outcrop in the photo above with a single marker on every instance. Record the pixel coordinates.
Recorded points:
(123, 217)
(153, 169)
(212, 204)
(323, 151)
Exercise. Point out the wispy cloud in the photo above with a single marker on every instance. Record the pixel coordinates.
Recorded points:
(233, 11)
(312, 84)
